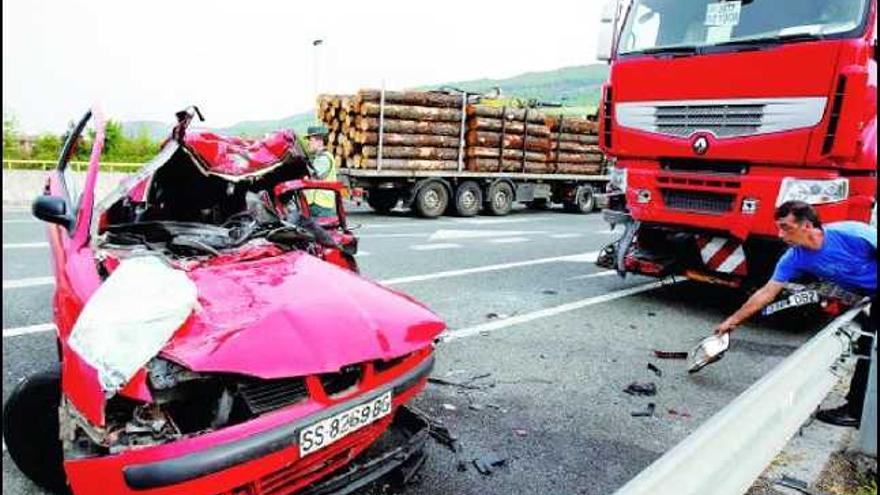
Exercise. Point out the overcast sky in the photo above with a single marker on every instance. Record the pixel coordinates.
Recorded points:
(254, 60)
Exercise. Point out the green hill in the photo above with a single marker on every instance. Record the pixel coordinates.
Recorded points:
(577, 88)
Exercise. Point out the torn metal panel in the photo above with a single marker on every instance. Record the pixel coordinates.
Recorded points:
(131, 317)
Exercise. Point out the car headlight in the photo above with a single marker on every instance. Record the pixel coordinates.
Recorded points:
(814, 192)
(617, 178)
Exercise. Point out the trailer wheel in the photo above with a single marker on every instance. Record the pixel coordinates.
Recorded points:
(583, 202)
(468, 199)
(30, 429)
(500, 199)
(382, 201)
(431, 200)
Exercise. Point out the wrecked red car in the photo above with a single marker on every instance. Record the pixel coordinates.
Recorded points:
(213, 338)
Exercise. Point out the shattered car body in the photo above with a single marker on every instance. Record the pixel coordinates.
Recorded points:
(213, 338)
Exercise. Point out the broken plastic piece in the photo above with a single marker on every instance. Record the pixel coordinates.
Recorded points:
(646, 413)
(485, 463)
(670, 354)
(655, 369)
(646, 389)
(710, 350)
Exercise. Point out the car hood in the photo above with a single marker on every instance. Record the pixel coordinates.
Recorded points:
(293, 315)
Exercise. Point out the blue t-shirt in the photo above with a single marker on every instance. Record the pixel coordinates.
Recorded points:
(848, 258)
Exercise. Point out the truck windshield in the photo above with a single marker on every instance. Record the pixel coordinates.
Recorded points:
(686, 26)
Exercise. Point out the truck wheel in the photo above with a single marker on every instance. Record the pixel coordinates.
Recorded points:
(382, 201)
(584, 201)
(431, 200)
(30, 429)
(468, 199)
(500, 199)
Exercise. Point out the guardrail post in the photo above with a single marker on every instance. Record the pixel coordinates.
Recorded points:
(868, 429)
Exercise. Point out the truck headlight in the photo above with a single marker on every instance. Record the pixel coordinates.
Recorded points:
(617, 179)
(814, 192)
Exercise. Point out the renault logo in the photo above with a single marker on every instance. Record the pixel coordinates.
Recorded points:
(701, 145)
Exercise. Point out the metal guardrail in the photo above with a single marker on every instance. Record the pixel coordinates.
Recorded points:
(726, 455)
(75, 165)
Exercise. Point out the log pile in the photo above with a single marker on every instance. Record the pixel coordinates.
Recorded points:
(574, 147)
(423, 131)
(420, 130)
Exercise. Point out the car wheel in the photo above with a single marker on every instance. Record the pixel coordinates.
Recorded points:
(468, 199)
(431, 200)
(584, 201)
(500, 199)
(382, 201)
(30, 429)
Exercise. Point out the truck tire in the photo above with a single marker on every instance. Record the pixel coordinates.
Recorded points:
(499, 199)
(583, 202)
(382, 201)
(431, 200)
(30, 429)
(468, 199)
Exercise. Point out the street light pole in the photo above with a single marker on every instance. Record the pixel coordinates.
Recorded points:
(317, 51)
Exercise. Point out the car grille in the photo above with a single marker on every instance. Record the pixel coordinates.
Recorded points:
(698, 201)
(348, 377)
(262, 396)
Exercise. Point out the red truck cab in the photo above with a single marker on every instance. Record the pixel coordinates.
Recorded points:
(716, 112)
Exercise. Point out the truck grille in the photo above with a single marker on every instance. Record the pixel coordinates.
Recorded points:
(262, 396)
(722, 118)
(697, 201)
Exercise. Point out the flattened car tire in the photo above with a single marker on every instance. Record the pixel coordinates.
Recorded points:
(468, 199)
(431, 200)
(30, 429)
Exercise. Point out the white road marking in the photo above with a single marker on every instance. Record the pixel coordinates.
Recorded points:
(593, 275)
(495, 221)
(566, 236)
(450, 235)
(26, 245)
(483, 328)
(393, 236)
(434, 247)
(15, 332)
(577, 258)
(20, 221)
(509, 240)
(27, 282)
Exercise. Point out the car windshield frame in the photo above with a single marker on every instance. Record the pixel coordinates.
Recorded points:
(774, 37)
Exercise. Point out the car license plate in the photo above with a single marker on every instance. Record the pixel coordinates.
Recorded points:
(327, 431)
(794, 300)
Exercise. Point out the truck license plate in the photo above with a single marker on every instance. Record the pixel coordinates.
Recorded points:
(328, 431)
(794, 300)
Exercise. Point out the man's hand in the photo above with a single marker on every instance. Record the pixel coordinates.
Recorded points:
(725, 327)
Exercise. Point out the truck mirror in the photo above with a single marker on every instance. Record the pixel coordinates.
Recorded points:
(604, 47)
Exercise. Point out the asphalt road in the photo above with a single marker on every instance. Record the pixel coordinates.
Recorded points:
(555, 338)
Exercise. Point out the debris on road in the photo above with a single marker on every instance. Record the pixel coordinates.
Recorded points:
(450, 407)
(449, 383)
(521, 432)
(487, 462)
(648, 412)
(670, 354)
(549, 292)
(680, 414)
(655, 369)
(642, 389)
(710, 350)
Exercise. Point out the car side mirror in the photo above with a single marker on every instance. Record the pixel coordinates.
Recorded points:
(52, 209)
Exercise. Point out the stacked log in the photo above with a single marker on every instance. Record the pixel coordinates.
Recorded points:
(420, 130)
(423, 131)
(506, 140)
(574, 146)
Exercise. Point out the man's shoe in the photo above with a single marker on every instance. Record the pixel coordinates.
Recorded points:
(839, 416)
